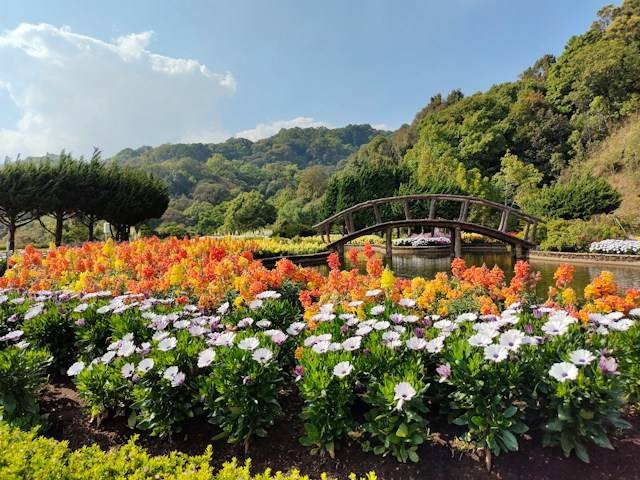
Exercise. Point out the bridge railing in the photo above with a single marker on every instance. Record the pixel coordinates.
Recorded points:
(345, 218)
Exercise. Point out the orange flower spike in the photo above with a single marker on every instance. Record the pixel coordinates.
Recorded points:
(564, 275)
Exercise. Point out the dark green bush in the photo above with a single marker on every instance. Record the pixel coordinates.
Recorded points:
(3, 266)
(23, 372)
(579, 198)
(287, 229)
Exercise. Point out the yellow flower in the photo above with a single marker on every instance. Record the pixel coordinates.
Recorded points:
(387, 279)
(569, 296)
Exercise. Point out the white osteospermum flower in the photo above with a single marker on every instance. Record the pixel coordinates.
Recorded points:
(263, 323)
(377, 309)
(180, 324)
(621, 325)
(391, 339)
(363, 330)
(581, 357)
(407, 302)
(556, 326)
(75, 369)
(342, 369)
(351, 344)
(145, 365)
(404, 392)
(255, 304)
(224, 308)
(467, 317)
(295, 328)
(355, 303)
(167, 344)
(81, 308)
(268, 294)
(245, 322)
(175, 376)
(435, 345)
(321, 347)
(107, 357)
(224, 339)
(415, 343)
(34, 311)
(249, 343)
(262, 355)
(489, 329)
(634, 312)
(511, 339)
(127, 348)
(206, 357)
(563, 371)
(127, 370)
(373, 293)
(495, 353)
(480, 340)
(381, 325)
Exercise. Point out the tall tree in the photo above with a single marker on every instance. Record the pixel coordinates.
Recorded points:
(19, 194)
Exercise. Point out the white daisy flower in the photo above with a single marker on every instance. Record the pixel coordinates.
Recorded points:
(206, 357)
(581, 357)
(563, 371)
(342, 369)
(75, 369)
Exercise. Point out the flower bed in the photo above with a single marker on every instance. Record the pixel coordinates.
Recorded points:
(467, 347)
(620, 247)
(422, 241)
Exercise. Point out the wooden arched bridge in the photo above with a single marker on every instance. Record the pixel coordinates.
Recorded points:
(478, 215)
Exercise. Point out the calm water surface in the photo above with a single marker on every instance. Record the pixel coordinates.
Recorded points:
(626, 276)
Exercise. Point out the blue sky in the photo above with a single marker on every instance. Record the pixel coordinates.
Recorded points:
(127, 73)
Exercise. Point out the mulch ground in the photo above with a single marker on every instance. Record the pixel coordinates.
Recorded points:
(281, 450)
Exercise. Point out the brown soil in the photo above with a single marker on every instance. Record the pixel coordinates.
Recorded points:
(281, 450)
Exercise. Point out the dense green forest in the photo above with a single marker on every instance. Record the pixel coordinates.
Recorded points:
(241, 185)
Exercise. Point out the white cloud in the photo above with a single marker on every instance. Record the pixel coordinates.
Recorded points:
(73, 91)
(264, 130)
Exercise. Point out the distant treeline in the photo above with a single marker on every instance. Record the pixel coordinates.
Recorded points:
(89, 190)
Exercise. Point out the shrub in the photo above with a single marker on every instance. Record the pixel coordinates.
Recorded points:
(27, 456)
(579, 198)
(287, 229)
(578, 235)
(53, 330)
(23, 372)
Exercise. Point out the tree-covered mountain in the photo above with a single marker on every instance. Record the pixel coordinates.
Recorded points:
(289, 170)
(510, 141)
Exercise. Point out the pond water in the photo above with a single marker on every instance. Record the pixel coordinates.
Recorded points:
(626, 276)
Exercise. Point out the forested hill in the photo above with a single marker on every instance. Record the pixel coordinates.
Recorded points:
(532, 142)
(184, 165)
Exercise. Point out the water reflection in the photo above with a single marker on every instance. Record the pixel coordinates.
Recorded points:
(626, 276)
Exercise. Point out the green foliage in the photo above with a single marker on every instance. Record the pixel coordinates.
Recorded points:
(248, 211)
(23, 372)
(27, 456)
(288, 229)
(577, 235)
(104, 390)
(578, 198)
(582, 411)
(52, 330)
(326, 413)
(392, 427)
(241, 394)
(516, 178)
(484, 399)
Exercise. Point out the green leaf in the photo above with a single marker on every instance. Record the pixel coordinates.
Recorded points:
(602, 441)
(131, 421)
(509, 440)
(459, 421)
(413, 456)
(479, 421)
(586, 414)
(582, 453)
(510, 412)
(402, 431)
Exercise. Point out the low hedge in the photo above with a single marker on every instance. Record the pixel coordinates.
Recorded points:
(25, 455)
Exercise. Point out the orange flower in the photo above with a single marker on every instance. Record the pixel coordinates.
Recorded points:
(563, 275)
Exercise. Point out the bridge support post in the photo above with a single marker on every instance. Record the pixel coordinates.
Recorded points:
(340, 251)
(519, 252)
(388, 246)
(457, 242)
